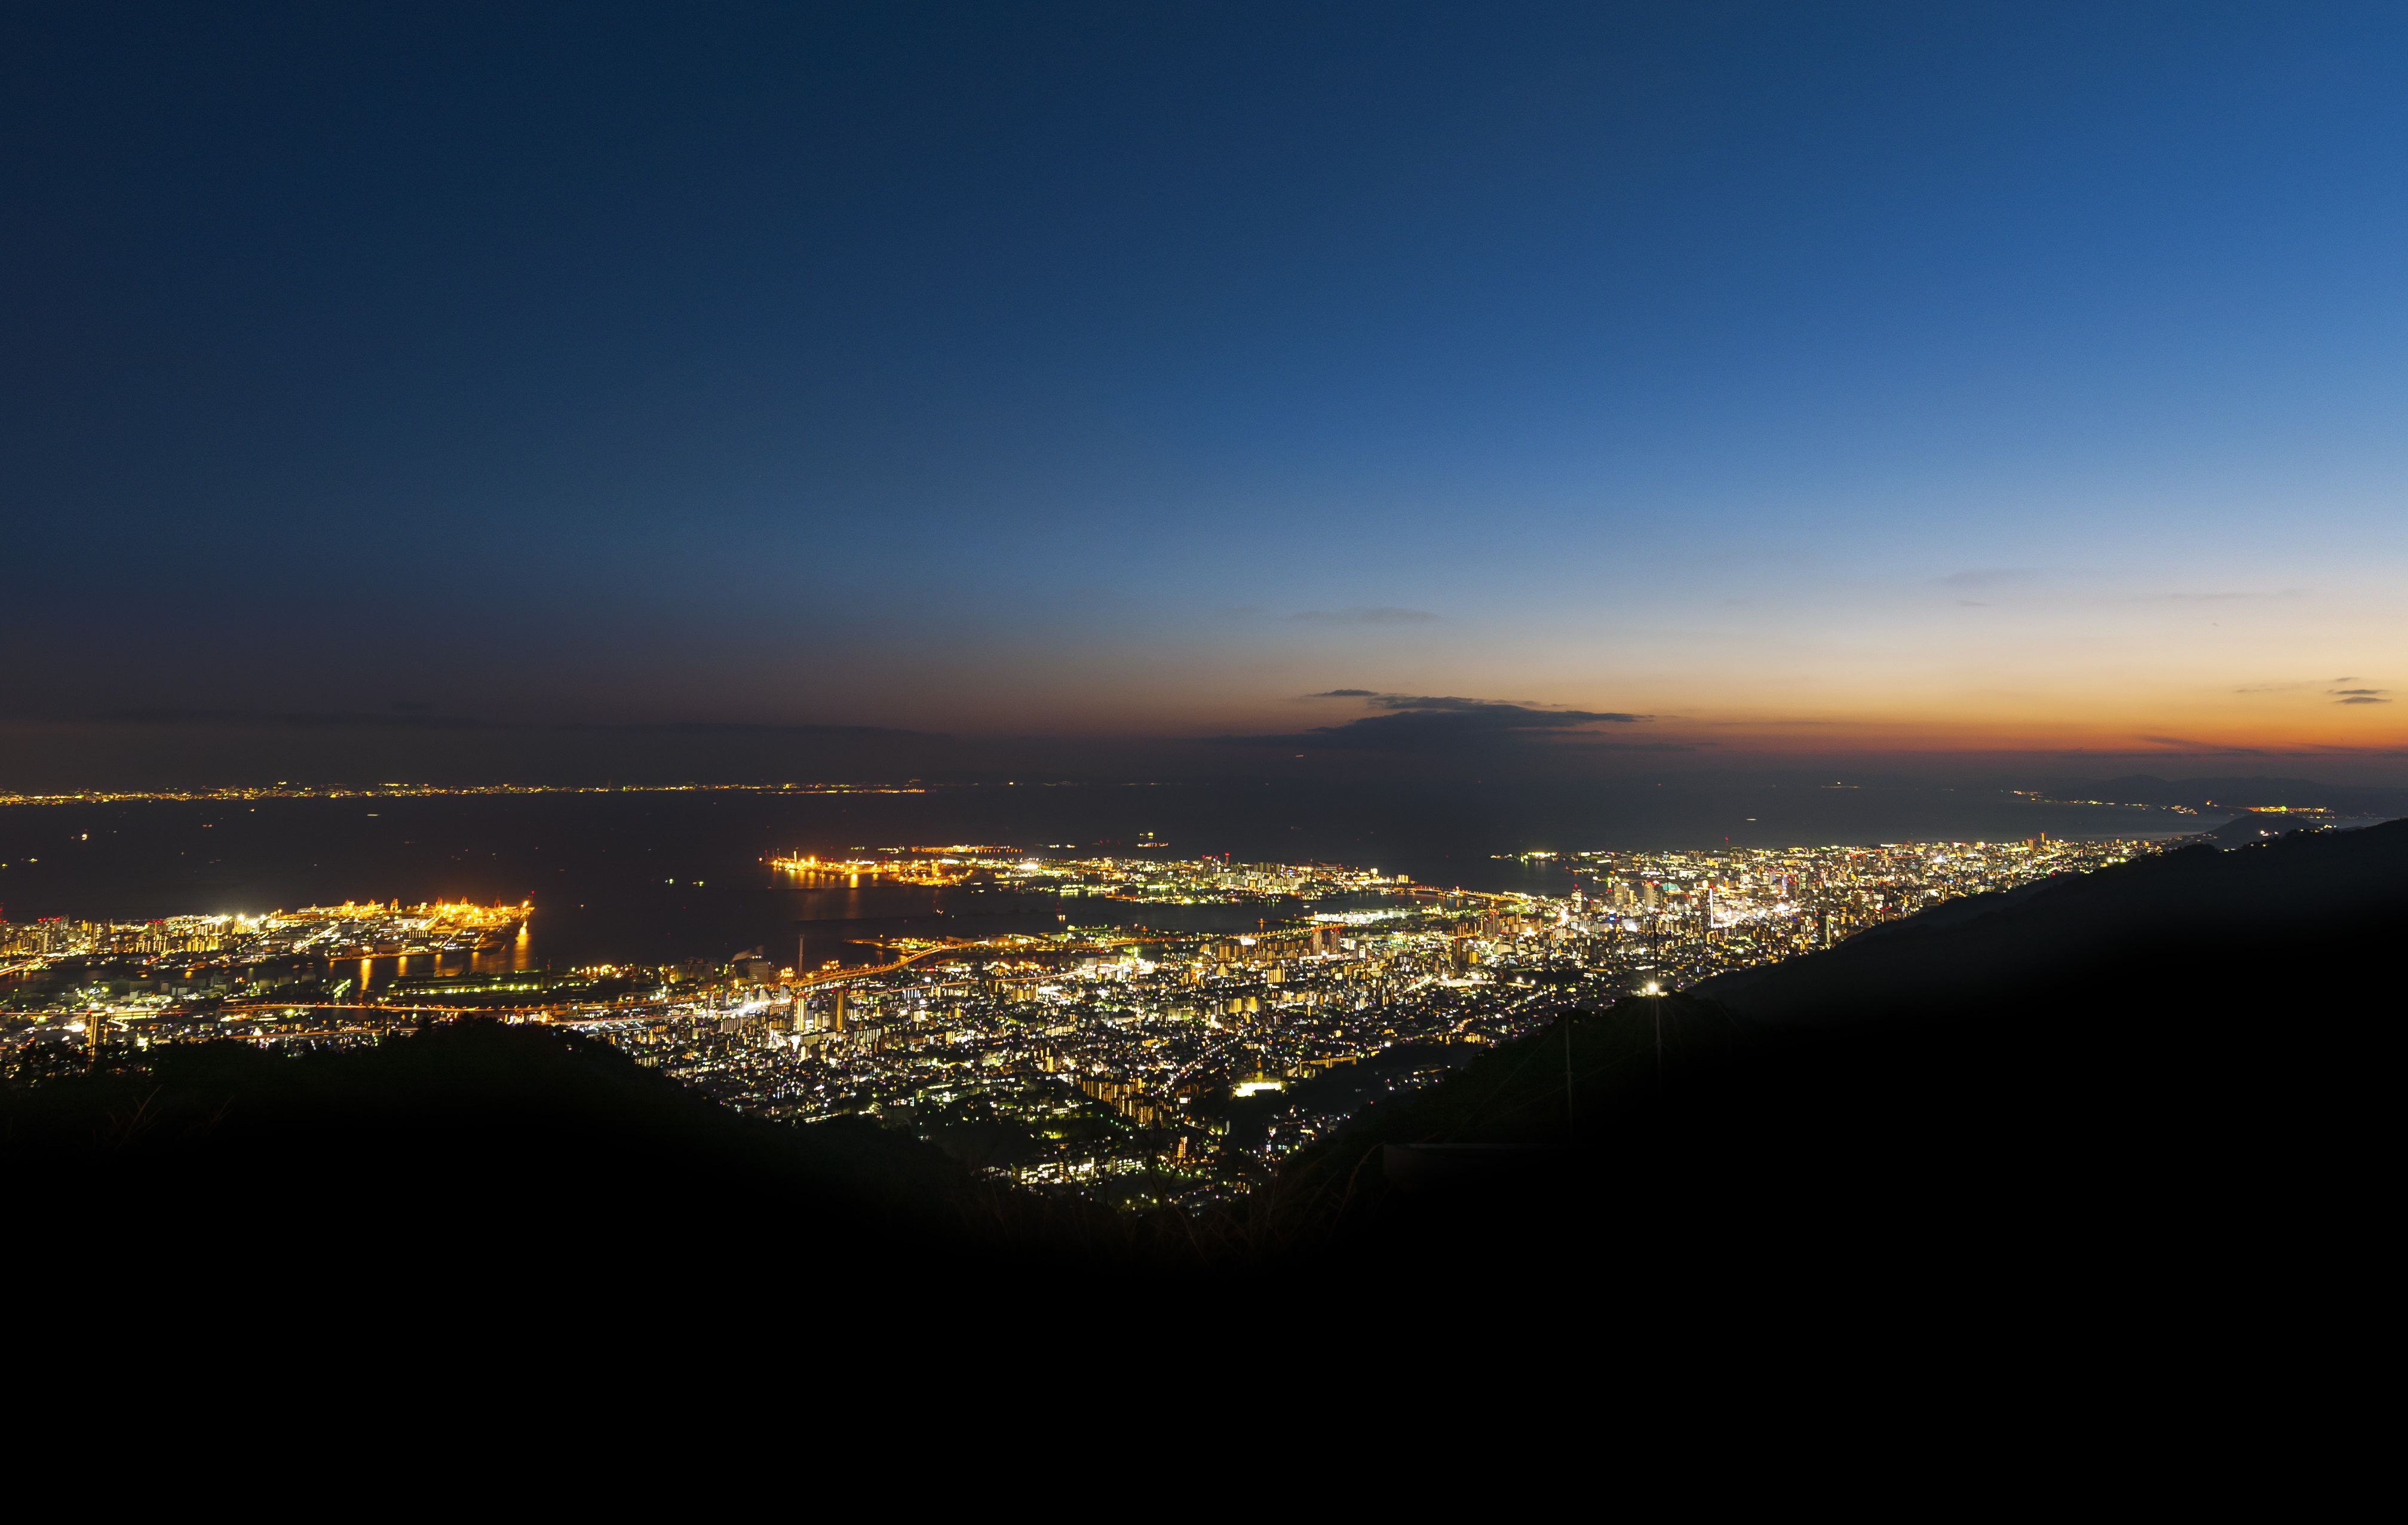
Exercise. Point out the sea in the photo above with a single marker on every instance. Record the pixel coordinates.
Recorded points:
(662, 877)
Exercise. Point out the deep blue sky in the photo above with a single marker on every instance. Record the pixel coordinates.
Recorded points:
(1913, 376)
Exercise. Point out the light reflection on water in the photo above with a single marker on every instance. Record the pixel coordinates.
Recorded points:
(659, 878)
(379, 970)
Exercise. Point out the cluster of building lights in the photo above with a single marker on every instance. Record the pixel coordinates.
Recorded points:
(1148, 881)
(1137, 1065)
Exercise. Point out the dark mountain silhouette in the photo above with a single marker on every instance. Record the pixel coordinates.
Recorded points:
(2111, 929)
(472, 1142)
(2160, 1060)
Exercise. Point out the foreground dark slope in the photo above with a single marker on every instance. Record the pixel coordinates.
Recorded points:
(469, 1144)
(2170, 1056)
(2181, 923)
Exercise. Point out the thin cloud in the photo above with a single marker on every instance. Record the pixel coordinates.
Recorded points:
(2346, 695)
(2219, 595)
(1463, 706)
(2187, 744)
(741, 728)
(298, 720)
(1448, 723)
(1345, 693)
(341, 720)
(1382, 615)
(1989, 577)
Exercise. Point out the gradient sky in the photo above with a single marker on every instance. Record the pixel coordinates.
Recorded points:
(1786, 378)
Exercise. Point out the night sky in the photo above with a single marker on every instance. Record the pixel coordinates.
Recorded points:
(485, 389)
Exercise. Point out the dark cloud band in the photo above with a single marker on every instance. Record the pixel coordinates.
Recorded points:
(1445, 723)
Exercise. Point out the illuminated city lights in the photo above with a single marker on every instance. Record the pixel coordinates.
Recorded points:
(1144, 1065)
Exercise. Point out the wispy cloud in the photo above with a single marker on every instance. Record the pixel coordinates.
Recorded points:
(2360, 695)
(1989, 577)
(2298, 684)
(2188, 744)
(409, 717)
(1381, 615)
(1448, 723)
(2216, 595)
(339, 720)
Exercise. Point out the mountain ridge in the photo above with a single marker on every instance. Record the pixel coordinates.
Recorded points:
(2244, 793)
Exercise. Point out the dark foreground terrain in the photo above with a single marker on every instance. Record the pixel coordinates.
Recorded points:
(2168, 1066)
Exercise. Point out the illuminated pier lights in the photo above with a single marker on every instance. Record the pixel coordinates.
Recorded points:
(915, 871)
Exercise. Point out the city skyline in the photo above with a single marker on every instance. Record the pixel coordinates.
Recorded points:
(1140, 1065)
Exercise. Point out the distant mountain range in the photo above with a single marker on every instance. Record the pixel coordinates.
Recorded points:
(2242, 794)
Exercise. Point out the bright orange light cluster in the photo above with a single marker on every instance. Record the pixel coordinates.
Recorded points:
(439, 913)
(940, 871)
